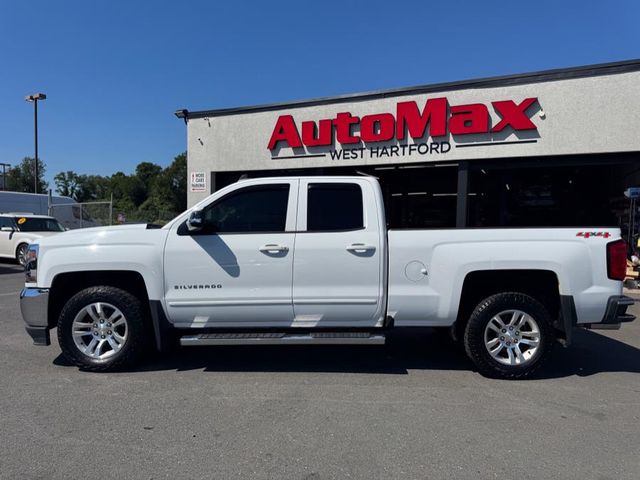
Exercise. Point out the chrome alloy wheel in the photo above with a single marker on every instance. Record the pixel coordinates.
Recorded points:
(23, 253)
(99, 330)
(512, 337)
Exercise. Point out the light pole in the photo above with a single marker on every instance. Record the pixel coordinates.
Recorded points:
(34, 98)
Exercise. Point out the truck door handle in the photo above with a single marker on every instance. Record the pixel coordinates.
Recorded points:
(360, 247)
(273, 248)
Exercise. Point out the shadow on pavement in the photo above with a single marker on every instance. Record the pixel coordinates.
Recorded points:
(10, 266)
(591, 353)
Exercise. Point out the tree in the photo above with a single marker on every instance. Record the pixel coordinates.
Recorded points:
(93, 187)
(147, 172)
(171, 185)
(151, 194)
(82, 188)
(68, 184)
(128, 187)
(21, 178)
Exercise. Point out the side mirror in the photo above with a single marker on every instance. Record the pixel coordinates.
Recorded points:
(7, 229)
(195, 222)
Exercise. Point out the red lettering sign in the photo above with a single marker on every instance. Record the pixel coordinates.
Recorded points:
(434, 113)
(285, 131)
(377, 128)
(467, 119)
(514, 115)
(324, 135)
(436, 119)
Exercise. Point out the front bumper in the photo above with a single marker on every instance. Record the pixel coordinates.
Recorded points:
(34, 304)
(615, 314)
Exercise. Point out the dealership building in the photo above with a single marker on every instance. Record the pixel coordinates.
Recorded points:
(551, 148)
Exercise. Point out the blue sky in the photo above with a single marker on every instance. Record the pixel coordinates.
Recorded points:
(115, 71)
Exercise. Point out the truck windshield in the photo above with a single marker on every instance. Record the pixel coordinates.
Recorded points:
(26, 224)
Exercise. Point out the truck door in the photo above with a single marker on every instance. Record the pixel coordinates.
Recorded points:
(338, 263)
(236, 271)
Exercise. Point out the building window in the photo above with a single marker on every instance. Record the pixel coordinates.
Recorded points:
(419, 196)
(560, 196)
(334, 207)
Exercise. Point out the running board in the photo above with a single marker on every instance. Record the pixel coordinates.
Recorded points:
(278, 338)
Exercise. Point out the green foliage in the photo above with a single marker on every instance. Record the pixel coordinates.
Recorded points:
(128, 187)
(67, 184)
(93, 188)
(151, 194)
(147, 172)
(21, 178)
(83, 188)
(170, 186)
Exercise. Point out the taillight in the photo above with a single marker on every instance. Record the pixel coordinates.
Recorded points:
(617, 260)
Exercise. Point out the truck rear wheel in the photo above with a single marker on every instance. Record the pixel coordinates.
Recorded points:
(509, 335)
(102, 329)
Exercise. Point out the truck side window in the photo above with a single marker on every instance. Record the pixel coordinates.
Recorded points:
(334, 207)
(253, 209)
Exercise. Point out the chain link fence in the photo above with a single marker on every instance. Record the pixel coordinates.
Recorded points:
(97, 214)
(144, 215)
(82, 215)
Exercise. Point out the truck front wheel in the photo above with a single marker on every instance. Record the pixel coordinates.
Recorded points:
(509, 335)
(102, 329)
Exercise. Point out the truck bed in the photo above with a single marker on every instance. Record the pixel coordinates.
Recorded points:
(574, 255)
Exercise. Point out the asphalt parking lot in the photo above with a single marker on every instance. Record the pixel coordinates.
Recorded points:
(412, 409)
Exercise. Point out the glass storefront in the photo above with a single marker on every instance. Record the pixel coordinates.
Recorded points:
(544, 192)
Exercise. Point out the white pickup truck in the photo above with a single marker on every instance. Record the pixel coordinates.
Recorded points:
(309, 260)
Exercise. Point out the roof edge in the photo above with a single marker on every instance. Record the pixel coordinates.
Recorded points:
(599, 69)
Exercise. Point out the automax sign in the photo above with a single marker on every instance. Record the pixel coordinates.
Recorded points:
(435, 119)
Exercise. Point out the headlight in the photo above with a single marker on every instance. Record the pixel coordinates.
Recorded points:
(31, 267)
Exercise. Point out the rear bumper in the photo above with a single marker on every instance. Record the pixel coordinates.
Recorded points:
(34, 304)
(615, 314)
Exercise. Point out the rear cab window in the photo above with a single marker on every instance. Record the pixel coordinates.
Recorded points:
(334, 207)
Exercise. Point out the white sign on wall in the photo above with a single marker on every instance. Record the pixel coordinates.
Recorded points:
(198, 182)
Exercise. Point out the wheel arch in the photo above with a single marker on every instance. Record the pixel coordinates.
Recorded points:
(543, 285)
(19, 243)
(65, 285)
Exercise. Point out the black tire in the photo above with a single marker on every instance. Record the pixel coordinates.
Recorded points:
(21, 253)
(474, 336)
(136, 338)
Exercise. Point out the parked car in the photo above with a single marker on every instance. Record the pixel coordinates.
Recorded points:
(18, 230)
(309, 260)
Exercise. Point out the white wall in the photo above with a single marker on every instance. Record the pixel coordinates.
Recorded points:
(585, 115)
